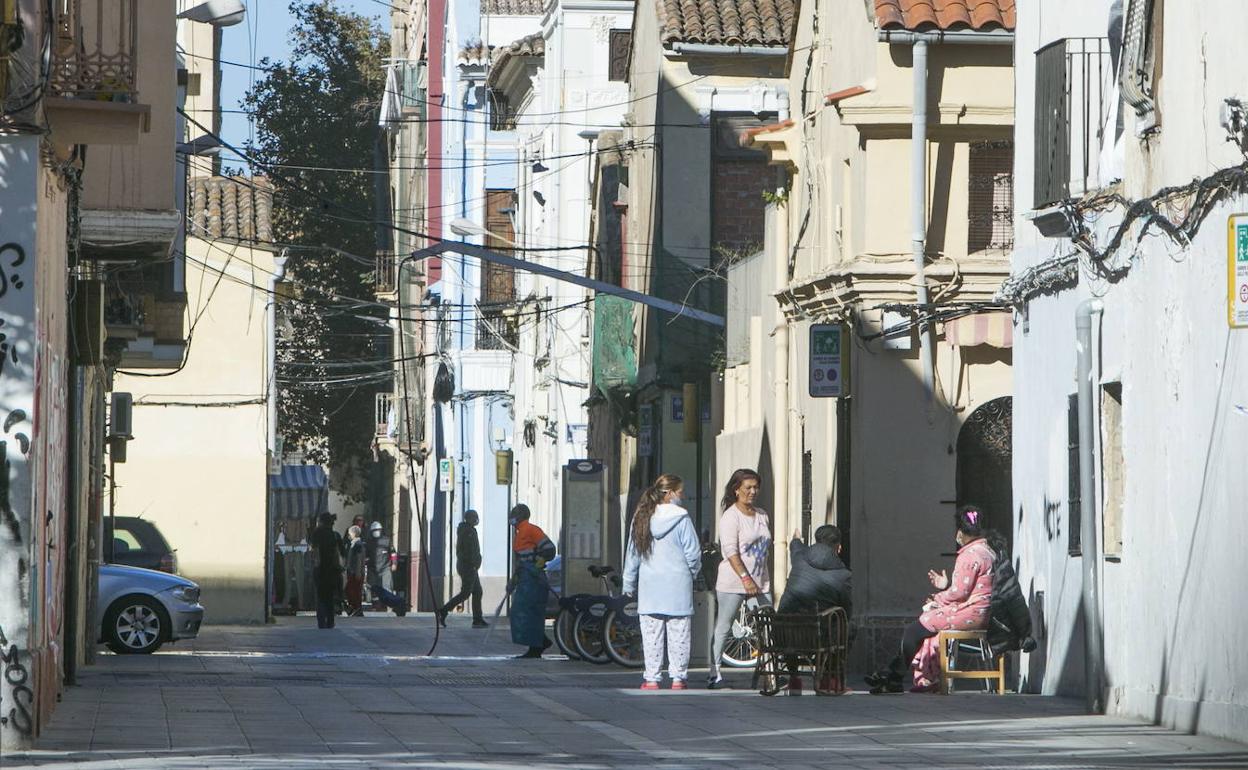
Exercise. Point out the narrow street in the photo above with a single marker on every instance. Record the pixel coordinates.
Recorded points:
(363, 696)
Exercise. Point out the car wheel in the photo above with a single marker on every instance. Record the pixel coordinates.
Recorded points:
(135, 625)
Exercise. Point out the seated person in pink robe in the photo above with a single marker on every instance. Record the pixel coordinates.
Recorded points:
(961, 604)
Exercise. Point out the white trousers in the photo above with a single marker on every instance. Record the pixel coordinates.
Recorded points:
(660, 633)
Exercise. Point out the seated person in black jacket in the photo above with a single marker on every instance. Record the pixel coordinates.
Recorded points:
(818, 579)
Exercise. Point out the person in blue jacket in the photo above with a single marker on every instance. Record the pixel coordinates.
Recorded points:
(664, 556)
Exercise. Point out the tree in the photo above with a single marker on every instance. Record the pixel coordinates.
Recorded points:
(315, 116)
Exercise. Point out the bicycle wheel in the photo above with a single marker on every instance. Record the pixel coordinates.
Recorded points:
(587, 632)
(564, 623)
(741, 649)
(621, 636)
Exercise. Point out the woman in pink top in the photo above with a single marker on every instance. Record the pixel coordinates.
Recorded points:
(744, 541)
(961, 604)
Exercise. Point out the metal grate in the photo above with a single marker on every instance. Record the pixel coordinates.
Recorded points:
(95, 52)
(990, 200)
(1072, 79)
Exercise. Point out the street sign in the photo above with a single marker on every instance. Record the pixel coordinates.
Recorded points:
(1237, 270)
(446, 474)
(826, 361)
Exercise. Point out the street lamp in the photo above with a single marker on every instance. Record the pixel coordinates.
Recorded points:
(218, 13)
(466, 228)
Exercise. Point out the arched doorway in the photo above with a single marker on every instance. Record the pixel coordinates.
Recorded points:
(985, 463)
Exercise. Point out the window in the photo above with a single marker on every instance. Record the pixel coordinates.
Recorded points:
(620, 48)
(990, 199)
(1073, 518)
(1072, 81)
(1113, 485)
(501, 118)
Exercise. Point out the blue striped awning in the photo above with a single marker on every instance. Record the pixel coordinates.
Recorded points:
(299, 492)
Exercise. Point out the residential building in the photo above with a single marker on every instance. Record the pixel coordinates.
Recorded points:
(677, 201)
(867, 370)
(88, 177)
(206, 423)
(1128, 289)
(554, 92)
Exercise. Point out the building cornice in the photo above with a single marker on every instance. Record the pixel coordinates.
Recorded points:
(877, 279)
(946, 113)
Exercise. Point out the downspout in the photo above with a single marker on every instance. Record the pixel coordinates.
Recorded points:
(918, 211)
(270, 358)
(1092, 636)
(918, 168)
(780, 450)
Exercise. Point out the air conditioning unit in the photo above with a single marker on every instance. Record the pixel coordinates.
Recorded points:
(122, 417)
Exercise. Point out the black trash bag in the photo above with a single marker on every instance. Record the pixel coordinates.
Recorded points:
(443, 384)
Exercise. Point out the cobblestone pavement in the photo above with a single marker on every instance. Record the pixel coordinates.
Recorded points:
(364, 696)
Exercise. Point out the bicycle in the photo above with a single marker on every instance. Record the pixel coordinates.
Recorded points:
(742, 648)
(572, 607)
(588, 629)
(621, 633)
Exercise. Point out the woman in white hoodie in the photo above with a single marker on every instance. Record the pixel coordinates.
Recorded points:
(664, 556)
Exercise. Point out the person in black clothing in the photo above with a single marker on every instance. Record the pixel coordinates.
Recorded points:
(327, 570)
(467, 564)
(818, 579)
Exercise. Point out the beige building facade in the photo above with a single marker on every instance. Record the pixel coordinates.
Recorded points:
(891, 459)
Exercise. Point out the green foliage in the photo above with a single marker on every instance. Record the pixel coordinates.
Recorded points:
(319, 109)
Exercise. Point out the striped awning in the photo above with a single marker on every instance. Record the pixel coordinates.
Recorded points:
(299, 492)
(995, 329)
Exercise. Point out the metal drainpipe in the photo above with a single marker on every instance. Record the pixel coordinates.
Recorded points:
(780, 452)
(270, 344)
(1092, 635)
(918, 210)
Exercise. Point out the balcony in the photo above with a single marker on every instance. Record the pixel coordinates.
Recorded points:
(385, 274)
(92, 87)
(145, 322)
(496, 330)
(1073, 81)
(386, 419)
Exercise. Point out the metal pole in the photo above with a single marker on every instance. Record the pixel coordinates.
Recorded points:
(270, 353)
(1087, 505)
(918, 209)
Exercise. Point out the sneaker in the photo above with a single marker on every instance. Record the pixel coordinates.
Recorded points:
(888, 688)
(480, 624)
(531, 654)
(926, 688)
(679, 684)
(649, 685)
(715, 684)
(546, 643)
(442, 618)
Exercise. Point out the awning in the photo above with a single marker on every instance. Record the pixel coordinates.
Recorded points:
(995, 329)
(299, 492)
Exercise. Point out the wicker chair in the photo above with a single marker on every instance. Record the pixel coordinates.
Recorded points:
(799, 643)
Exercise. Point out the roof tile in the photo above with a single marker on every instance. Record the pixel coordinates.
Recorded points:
(924, 15)
(727, 22)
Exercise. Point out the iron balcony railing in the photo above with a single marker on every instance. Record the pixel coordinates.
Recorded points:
(1072, 82)
(95, 54)
(386, 272)
(384, 411)
(496, 331)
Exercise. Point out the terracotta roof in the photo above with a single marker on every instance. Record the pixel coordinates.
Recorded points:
(476, 53)
(236, 208)
(922, 15)
(513, 7)
(532, 45)
(727, 22)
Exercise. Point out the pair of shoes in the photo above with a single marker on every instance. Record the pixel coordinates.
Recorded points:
(478, 623)
(442, 618)
(888, 688)
(533, 653)
(679, 684)
(715, 684)
(649, 685)
(926, 688)
(879, 678)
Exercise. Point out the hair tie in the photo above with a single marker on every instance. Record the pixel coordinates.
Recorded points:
(972, 517)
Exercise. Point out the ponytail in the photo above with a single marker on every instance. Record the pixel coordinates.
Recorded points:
(651, 498)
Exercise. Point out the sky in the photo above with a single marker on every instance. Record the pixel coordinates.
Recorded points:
(265, 32)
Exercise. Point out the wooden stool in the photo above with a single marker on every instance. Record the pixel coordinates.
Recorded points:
(947, 674)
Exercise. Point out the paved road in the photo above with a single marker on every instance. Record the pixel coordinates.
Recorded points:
(363, 696)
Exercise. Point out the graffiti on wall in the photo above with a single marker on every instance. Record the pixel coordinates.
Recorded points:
(15, 712)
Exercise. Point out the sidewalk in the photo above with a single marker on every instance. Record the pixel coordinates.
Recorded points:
(363, 696)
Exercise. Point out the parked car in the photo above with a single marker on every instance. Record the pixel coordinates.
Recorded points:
(136, 542)
(141, 609)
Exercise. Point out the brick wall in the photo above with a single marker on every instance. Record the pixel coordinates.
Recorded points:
(737, 204)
